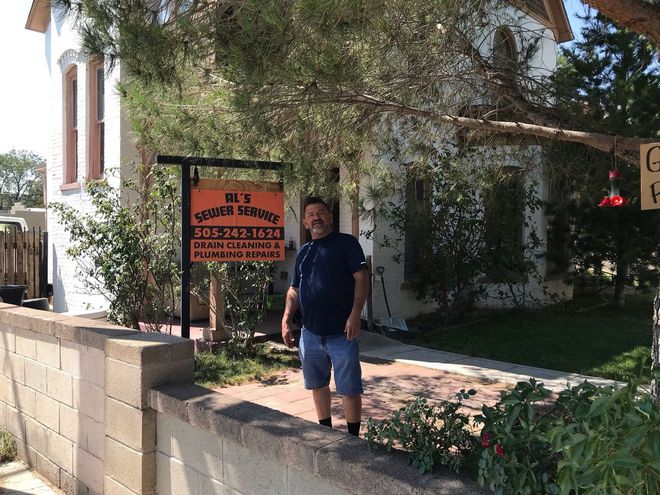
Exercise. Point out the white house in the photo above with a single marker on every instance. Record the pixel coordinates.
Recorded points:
(90, 136)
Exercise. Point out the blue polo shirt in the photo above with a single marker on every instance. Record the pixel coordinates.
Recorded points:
(324, 279)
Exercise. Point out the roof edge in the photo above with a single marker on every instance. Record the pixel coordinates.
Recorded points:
(562, 27)
(39, 16)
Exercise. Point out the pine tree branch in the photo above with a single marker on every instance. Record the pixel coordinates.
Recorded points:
(626, 148)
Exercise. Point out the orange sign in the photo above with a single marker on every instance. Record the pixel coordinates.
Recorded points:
(236, 223)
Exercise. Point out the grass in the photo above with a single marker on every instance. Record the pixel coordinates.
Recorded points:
(7, 446)
(217, 370)
(580, 337)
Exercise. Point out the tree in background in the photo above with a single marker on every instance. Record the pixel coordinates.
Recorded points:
(608, 81)
(310, 79)
(19, 179)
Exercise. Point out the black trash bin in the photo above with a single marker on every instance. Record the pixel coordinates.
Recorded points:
(13, 294)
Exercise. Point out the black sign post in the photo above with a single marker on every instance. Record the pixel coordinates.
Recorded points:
(186, 162)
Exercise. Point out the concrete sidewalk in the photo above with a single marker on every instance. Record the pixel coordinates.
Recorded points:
(380, 347)
(17, 478)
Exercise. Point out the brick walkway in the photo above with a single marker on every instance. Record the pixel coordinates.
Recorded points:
(394, 373)
(388, 385)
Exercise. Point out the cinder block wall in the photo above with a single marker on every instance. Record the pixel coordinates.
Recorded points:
(210, 443)
(100, 409)
(74, 393)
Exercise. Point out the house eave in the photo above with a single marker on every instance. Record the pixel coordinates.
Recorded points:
(562, 27)
(557, 19)
(39, 16)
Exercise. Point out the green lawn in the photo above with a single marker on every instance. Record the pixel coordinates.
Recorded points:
(213, 370)
(602, 341)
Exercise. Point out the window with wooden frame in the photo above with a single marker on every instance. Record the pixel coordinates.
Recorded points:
(505, 54)
(504, 217)
(418, 201)
(95, 119)
(71, 126)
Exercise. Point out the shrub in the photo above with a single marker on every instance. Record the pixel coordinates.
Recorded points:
(7, 446)
(126, 247)
(592, 440)
(607, 440)
(432, 434)
(458, 230)
(245, 289)
(516, 455)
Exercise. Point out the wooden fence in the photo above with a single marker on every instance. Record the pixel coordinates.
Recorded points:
(23, 260)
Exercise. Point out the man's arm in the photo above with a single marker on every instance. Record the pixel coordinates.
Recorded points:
(290, 308)
(352, 329)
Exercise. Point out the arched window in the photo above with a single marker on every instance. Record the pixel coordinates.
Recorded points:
(505, 53)
(95, 119)
(70, 131)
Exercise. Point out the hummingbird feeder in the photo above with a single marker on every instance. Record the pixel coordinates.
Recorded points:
(614, 198)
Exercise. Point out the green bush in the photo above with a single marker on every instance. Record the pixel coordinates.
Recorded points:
(244, 286)
(591, 440)
(431, 433)
(125, 249)
(607, 441)
(515, 451)
(7, 446)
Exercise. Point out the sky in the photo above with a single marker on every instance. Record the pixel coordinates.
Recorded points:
(24, 90)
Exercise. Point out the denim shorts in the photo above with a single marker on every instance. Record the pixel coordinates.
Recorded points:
(320, 354)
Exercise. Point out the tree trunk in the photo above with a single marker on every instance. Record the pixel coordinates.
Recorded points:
(655, 366)
(620, 289)
(637, 15)
(620, 280)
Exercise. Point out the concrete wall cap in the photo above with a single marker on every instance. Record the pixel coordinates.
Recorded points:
(172, 399)
(31, 319)
(91, 333)
(149, 348)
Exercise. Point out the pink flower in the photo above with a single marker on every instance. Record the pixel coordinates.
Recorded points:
(485, 440)
(499, 450)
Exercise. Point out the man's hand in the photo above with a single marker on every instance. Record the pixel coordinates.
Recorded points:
(352, 329)
(287, 335)
(290, 307)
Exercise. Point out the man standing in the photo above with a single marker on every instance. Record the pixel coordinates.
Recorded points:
(330, 285)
